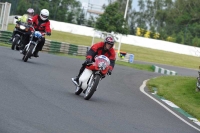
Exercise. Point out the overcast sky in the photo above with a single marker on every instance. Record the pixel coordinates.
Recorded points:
(99, 3)
(96, 2)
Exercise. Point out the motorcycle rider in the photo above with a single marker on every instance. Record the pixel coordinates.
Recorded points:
(100, 48)
(24, 18)
(41, 23)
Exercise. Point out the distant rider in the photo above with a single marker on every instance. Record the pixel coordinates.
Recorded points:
(101, 48)
(24, 19)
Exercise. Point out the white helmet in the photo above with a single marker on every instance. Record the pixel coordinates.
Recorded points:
(30, 12)
(44, 14)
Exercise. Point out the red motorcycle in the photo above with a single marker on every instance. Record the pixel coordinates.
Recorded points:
(93, 73)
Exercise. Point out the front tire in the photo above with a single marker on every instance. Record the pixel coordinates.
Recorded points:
(90, 90)
(28, 53)
(15, 42)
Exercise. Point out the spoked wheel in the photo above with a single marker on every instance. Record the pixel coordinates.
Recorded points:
(28, 53)
(78, 90)
(92, 88)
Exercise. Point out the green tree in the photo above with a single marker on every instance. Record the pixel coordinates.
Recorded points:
(22, 7)
(70, 17)
(112, 20)
(81, 18)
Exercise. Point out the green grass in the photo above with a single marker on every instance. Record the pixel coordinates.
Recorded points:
(180, 90)
(5, 45)
(140, 53)
(136, 66)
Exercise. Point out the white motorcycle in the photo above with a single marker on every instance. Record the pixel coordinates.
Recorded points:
(93, 73)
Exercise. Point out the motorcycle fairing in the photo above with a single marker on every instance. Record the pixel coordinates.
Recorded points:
(84, 78)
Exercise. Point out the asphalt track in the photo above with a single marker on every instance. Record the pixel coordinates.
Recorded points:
(38, 97)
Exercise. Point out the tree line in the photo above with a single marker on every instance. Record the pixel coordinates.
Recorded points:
(174, 20)
(171, 20)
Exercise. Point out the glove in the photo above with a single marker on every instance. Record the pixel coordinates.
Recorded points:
(88, 61)
(109, 72)
(48, 33)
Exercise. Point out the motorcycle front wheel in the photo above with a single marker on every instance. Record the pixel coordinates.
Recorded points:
(92, 88)
(28, 53)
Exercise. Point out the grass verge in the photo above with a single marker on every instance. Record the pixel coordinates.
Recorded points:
(180, 90)
(5, 45)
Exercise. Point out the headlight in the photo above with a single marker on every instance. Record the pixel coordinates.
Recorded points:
(22, 27)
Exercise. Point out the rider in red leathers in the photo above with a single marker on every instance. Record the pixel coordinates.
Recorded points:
(41, 23)
(101, 48)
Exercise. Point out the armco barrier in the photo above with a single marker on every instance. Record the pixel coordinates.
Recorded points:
(66, 48)
(73, 49)
(54, 47)
(82, 50)
(5, 36)
(163, 71)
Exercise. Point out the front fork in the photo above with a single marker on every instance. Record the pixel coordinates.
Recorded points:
(28, 45)
(92, 78)
(90, 81)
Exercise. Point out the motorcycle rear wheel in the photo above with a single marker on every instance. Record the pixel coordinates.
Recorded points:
(15, 42)
(28, 53)
(90, 90)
